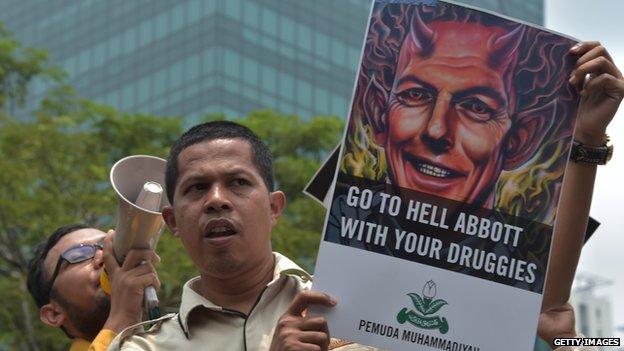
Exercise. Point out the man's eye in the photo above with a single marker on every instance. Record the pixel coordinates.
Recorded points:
(240, 182)
(415, 97)
(196, 187)
(477, 109)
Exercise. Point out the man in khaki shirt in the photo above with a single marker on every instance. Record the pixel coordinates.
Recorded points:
(202, 324)
(219, 182)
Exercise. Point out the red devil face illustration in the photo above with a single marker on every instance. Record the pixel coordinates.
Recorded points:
(451, 109)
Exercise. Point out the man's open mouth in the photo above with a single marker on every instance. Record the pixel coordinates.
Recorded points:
(433, 170)
(219, 228)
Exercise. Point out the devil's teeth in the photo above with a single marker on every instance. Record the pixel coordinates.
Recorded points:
(433, 171)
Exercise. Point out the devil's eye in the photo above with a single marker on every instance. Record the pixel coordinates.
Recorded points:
(415, 96)
(477, 109)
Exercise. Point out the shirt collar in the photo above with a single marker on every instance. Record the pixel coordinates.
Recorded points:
(284, 267)
(79, 345)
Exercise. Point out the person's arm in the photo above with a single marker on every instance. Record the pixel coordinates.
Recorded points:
(600, 98)
(128, 282)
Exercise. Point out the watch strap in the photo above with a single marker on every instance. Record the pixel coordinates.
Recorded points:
(598, 155)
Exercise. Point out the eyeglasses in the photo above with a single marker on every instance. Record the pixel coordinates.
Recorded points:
(74, 254)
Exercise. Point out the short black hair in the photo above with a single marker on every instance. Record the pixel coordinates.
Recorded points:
(37, 279)
(261, 155)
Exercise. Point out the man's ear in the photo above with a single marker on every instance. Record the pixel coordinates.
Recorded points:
(277, 201)
(52, 314)
(526, 134)
(169, 217)
(374, 109)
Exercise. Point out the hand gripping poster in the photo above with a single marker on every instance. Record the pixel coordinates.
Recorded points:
(449, 176)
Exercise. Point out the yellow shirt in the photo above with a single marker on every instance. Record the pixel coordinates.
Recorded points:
(100, 343)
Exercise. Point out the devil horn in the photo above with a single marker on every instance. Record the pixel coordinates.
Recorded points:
(422, 36)
(503, 47)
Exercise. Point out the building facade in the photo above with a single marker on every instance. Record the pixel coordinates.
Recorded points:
(190, 58)
(593, 312)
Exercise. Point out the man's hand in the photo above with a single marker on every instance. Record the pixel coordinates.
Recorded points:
(296, 332)
(556, 323)
(128, 283)
(601, 93)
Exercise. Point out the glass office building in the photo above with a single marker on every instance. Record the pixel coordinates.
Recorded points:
(189, 58)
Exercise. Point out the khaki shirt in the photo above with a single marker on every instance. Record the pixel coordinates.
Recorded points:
(201, 324)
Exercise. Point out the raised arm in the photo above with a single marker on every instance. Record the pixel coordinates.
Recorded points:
(601, 94)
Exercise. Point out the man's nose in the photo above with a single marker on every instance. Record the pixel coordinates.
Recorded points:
(217, 199)
(437, 135)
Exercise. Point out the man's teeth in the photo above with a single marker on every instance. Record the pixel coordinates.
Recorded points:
(220, 231)
(433, 171)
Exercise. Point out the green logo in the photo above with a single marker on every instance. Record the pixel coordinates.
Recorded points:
(425, 307)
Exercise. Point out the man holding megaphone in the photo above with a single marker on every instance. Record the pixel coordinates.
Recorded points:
(74, 272)
(64, 280)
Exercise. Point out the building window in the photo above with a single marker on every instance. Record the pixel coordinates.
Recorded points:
(145, 33)
(269, 22)
(305, 38)
(177, 17)
(287, 86)
(288, 29)
(321, 44)
(232, 65)
(269, 79)
(250, 72)
(194, 10)
(161, 25)
(160, 82)
(232, 8)
(583, 319)
(176, 74)
(250, 15)
(304, 94)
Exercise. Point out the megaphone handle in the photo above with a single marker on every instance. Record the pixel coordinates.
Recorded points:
(151, 302)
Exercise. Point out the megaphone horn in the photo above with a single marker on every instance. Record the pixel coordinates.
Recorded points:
(138, 181)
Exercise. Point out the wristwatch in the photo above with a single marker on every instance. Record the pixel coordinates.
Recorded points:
(597, 155)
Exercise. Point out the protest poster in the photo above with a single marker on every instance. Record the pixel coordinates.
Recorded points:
(448, 182)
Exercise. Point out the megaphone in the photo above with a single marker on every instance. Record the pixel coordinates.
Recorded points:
(139, 182)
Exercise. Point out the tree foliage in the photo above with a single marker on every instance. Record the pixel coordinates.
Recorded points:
(55, 165)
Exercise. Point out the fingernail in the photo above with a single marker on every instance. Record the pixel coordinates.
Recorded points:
(333, 301)
(575, 47)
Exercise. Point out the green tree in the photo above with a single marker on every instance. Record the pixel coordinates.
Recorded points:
(55, 165)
